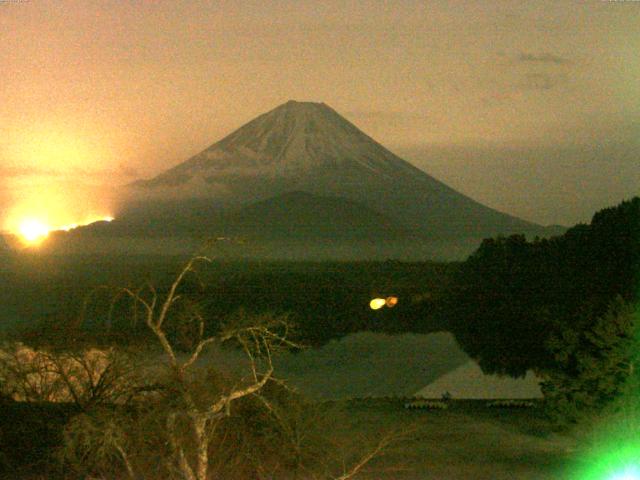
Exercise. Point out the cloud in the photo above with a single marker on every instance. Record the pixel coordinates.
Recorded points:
(539, 81)
(11, 173)
(28, 171)
(562, 182)
(543, 58)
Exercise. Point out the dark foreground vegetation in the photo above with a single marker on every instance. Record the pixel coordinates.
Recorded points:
(157, 409)
(565, 307)
(467, 440)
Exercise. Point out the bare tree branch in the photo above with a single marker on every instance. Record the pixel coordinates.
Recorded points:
(196, 353)
(172, 291)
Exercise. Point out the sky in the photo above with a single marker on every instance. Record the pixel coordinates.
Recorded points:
(532, 108)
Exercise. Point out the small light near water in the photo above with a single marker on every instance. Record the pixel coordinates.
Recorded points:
(377, 303)
(391, 301)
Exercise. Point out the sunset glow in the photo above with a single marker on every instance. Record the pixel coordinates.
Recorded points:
(34, 231)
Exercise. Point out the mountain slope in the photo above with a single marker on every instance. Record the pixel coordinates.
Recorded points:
(291, 141)
(304, 216)
(292, 216)
(304, 146)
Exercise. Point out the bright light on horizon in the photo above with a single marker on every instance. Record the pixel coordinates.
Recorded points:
(34, 231)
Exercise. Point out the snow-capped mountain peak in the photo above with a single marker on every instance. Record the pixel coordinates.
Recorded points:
(293, 139)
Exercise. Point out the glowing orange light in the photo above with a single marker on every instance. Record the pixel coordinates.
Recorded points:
(66, 228)
(33, 231)
(391, 301)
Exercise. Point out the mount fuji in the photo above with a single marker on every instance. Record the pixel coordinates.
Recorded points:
(297, 168)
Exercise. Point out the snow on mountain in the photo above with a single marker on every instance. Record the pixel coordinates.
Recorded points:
(294, 139)
(309, 147)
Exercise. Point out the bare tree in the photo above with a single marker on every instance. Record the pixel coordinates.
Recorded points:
(198, 425)
(320, 442)
(85, 377)
(258, 341)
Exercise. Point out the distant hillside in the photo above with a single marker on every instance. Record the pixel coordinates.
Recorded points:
(300, 215)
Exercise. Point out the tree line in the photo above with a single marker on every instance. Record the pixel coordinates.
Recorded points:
(563, 307)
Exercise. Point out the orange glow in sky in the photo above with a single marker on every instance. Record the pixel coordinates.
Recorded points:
(109, 92)
(33, 231)
(50, 204)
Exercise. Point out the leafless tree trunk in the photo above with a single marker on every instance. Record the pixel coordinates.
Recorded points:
(257, 341)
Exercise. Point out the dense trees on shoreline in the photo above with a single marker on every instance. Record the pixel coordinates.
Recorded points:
(565, 307)
(511, 295)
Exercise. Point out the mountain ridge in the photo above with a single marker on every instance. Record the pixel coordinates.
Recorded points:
(308, 146)
(279, 141)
